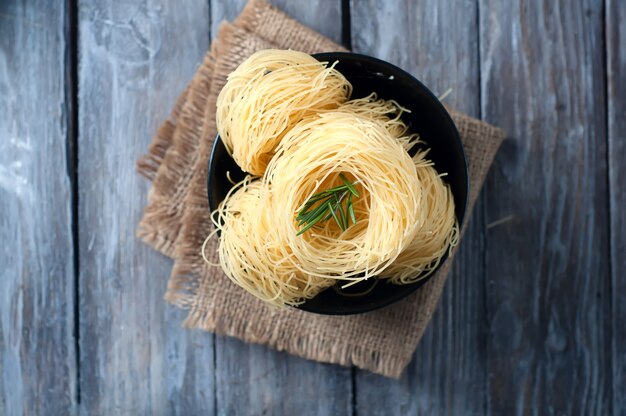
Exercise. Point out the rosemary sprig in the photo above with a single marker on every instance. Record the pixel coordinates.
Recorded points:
(329, 205)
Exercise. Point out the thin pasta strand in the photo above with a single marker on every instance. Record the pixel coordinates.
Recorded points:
(266, 95)
(286, 117)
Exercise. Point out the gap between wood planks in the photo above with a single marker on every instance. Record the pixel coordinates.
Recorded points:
(346, 40)
(71, 92)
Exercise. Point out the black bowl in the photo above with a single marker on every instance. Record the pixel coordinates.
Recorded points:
(428, 118)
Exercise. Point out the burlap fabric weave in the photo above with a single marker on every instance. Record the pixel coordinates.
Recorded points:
(176, 219)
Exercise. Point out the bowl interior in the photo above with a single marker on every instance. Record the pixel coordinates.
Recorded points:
(428, 118)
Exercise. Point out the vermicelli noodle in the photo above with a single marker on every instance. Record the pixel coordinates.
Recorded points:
(286, 235)
(266, 95)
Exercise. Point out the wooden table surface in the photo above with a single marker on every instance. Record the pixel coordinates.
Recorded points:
(532, 320)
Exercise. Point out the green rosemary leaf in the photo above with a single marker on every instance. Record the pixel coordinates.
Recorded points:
(314, 213)
(349, 185)
(306, 228)
(329, 205)
(351, 209)
(312, 222)
(335, 189)
(319, 196)
(343, 215)
(335, 217)
(344, 211)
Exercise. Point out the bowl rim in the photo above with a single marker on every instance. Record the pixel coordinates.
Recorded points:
(411, 288)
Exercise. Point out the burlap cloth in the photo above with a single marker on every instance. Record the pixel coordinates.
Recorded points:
(176, 219)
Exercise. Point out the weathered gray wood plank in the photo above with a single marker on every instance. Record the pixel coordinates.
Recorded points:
(437, 42)
(252, 379)
(255, 380)
(37, 347)
(548, 299)
(323, 16)
(135, 58)
(616, 72)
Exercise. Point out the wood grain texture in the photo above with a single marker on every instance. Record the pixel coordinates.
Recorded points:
(616, 99)
(37, 348)
(437, 42)
(322, 16)
(548, 299)
(135, 58)
(256, 380)
(531, 321)
(252, 379)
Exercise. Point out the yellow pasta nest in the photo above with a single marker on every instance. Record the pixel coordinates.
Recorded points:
(287, 118)
(268, 94)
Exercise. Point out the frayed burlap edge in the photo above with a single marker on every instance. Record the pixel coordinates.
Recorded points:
(196, 222)
(217, 305)
(197, 287)
(175, 144)
(321, 348)
(160, 223)
(272, 25)
(237, 44)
